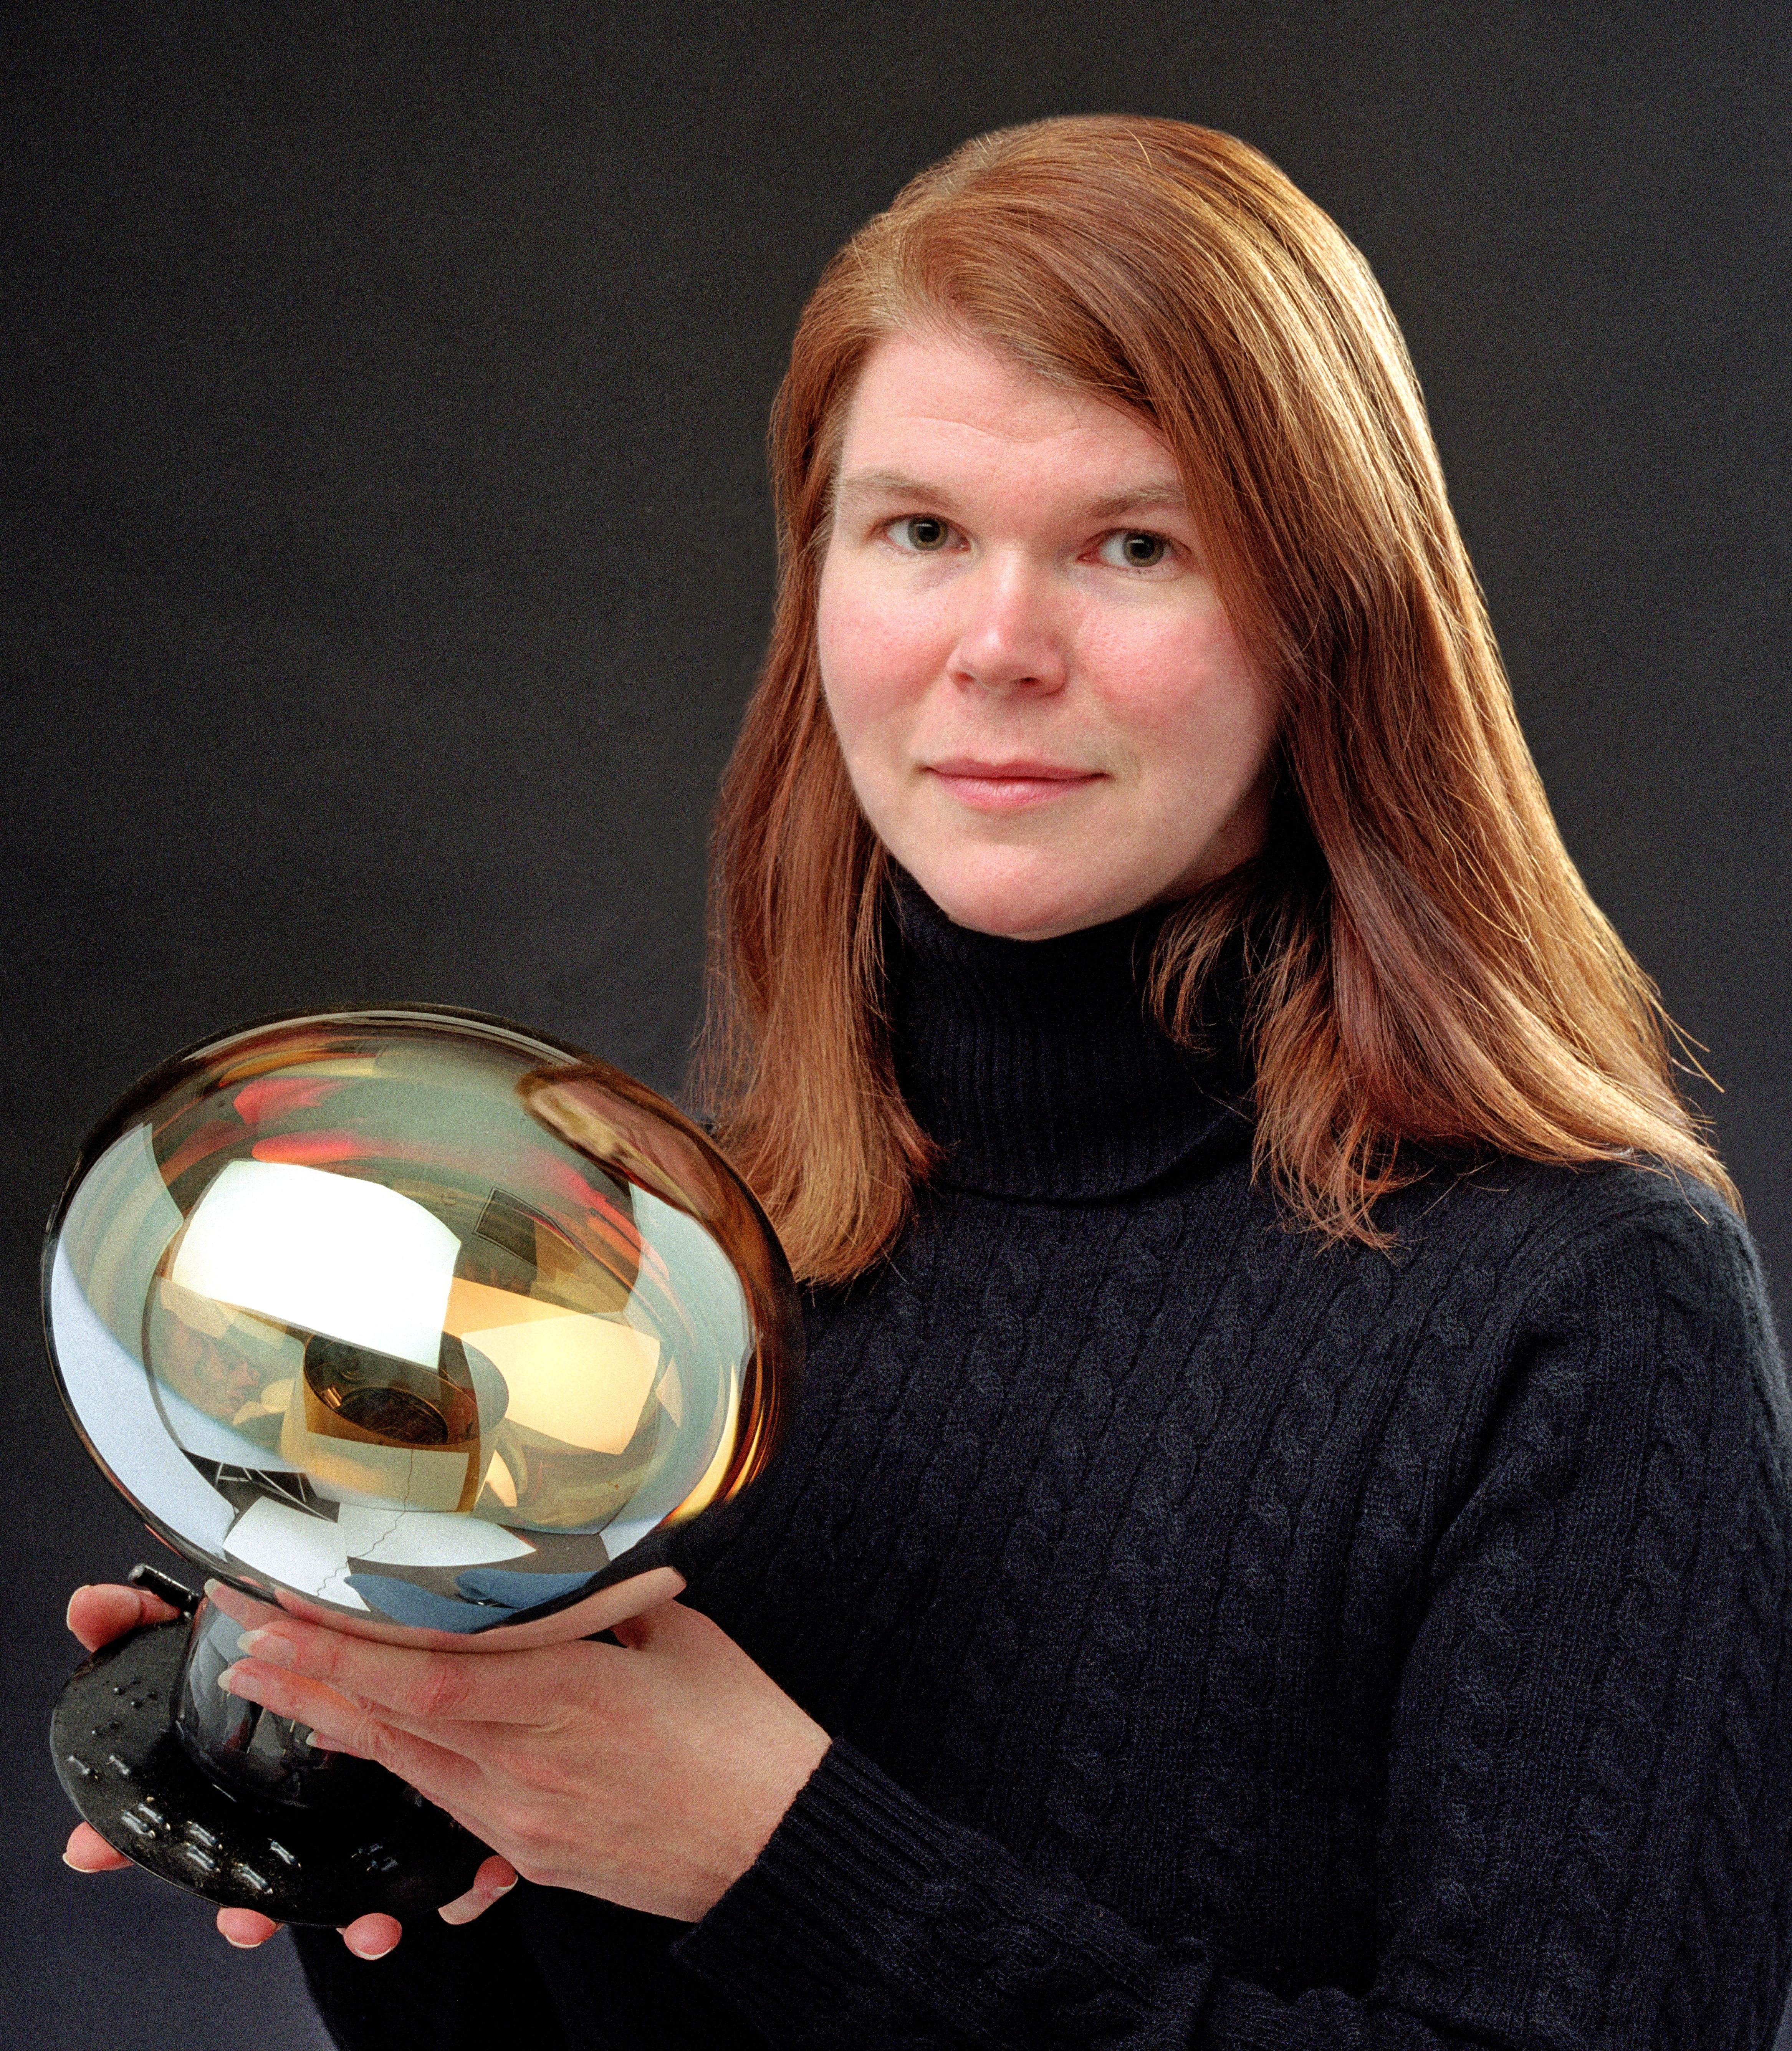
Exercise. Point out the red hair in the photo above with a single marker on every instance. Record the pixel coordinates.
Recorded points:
(1426, 968)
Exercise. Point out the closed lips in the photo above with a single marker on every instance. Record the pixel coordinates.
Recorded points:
(1003, 785)
(1011, 772)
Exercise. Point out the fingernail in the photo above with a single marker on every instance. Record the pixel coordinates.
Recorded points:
(239, 1945)
(70, 1611)
(264, 1644)
(498, 1893)
(226, 1681)
(371, 1955)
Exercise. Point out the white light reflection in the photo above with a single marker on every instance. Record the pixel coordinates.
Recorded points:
(331, 1253)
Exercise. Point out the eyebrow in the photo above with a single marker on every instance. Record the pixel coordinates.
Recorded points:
(1165, 496)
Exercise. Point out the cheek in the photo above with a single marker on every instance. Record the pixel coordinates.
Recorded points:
(1191, 701)
(874, 657)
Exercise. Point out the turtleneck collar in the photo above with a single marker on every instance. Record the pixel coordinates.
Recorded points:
(1036, 1065)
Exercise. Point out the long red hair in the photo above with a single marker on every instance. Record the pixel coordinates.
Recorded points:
(1426, 968)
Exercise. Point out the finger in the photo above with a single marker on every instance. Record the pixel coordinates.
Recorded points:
(339, 1724)
(244, 1928)
(87, 1852)
(491, 1883)
(372, 1937)
(401, 1682)
(98, 1614)
(251, 1610)
(240, 1608)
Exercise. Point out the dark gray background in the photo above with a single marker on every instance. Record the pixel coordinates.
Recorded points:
(387, 553)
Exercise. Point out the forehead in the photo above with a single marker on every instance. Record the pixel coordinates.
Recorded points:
(949, 400)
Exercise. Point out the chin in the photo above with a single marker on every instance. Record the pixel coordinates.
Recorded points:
(1012, 907)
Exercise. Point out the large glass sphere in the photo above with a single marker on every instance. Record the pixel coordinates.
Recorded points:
(415, 1316)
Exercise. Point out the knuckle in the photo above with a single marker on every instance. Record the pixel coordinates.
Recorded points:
(373, 1740)
(533, 1835)
(315, 1652)
(440, 1689)
(322, 1654)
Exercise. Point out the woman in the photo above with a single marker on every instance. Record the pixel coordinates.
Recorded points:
(1285, 1539)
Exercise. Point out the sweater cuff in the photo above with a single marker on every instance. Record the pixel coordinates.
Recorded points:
(864, 1902)
(851, 1856)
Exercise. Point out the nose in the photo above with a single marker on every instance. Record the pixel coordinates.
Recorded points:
(1012, 635)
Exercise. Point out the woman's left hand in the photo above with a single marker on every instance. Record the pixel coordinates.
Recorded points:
(650, 1772)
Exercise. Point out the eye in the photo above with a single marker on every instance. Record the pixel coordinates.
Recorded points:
(920, 531)
(1133, 549)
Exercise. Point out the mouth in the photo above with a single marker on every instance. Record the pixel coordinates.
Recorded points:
(1009, 785)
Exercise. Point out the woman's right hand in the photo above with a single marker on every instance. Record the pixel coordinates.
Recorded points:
(97, 1615)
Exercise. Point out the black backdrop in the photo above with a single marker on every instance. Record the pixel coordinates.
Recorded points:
(387, 555)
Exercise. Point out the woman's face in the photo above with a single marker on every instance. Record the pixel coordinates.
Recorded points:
(1044, 709)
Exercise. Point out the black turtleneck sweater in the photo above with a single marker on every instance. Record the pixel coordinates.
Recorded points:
(1229, 1640)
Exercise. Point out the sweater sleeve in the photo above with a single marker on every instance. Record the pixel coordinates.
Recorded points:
(1587, 1837)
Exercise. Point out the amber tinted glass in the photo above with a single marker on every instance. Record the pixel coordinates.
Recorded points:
(414, 1314)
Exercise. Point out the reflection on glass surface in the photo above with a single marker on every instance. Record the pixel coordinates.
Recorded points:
(414, 1314)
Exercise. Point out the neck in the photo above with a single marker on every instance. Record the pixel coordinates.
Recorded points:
(1036, 1065)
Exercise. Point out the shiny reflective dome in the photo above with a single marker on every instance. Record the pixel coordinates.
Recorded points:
(415, 1315)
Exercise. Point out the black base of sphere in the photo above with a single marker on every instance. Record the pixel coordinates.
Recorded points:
(125, 1768)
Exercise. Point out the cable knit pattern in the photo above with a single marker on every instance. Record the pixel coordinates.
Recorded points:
(1229, 1641)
